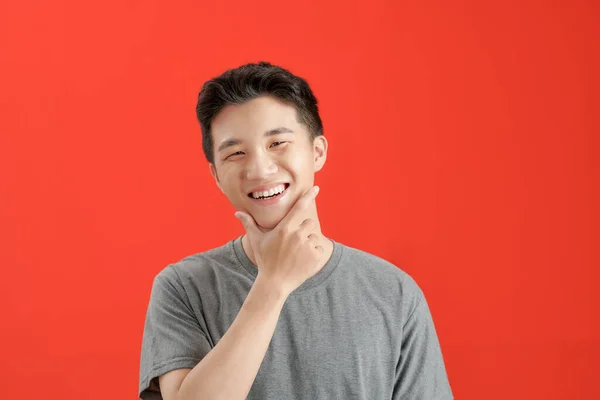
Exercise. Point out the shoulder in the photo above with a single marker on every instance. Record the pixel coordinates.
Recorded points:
(197, 266)
(383, 274)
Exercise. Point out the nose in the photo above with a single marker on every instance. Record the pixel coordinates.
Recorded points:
(260, 166)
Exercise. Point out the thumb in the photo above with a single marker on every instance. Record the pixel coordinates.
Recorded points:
(248, 222)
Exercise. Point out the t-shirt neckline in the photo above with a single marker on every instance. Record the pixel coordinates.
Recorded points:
(311, 282)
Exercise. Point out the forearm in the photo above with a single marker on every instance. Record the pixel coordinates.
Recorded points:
(229, 369)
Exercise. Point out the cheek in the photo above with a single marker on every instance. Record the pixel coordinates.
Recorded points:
(300, 163)
(227, 180)
(298, 153)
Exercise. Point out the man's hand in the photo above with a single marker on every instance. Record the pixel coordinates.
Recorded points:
(290, 253)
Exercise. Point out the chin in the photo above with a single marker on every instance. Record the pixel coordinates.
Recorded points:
(268, 223)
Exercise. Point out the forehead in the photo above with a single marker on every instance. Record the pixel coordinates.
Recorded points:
(253, 118)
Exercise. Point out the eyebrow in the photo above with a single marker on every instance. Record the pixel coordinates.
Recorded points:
(271, 132)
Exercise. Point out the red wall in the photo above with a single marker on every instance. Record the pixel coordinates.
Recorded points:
(463, 148)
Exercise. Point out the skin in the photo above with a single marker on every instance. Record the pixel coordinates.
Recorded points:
(260, 160)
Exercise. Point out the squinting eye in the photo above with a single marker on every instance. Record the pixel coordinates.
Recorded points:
(276, 143)
(235, 154)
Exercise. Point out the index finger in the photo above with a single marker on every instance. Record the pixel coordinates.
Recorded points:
(293, 216)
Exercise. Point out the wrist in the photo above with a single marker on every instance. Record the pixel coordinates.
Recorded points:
(269, 289)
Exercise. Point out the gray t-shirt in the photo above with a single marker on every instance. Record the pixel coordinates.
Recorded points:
(358, 329)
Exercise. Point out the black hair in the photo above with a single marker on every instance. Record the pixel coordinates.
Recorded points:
(247, 82)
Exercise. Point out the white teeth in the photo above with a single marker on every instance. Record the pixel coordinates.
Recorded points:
(270, 192)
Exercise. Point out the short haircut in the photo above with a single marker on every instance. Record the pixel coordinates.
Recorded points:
(247, 82)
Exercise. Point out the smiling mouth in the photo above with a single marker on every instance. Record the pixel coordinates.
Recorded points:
(285, 188)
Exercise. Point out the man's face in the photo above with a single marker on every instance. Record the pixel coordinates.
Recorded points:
(268, 148)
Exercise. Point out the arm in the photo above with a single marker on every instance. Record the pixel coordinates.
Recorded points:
(229, 369)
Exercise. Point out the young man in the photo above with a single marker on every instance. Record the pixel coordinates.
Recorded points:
(282, 312)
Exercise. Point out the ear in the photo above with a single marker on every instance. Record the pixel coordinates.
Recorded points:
(320, 151)
(213, 172)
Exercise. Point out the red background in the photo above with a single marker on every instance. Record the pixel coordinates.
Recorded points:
(463, 142)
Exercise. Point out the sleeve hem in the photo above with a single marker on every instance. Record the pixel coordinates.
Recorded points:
(163, 368)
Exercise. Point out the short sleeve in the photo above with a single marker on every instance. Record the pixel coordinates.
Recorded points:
(420, 372)
(172, 338)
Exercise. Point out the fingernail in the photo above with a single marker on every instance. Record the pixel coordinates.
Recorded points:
(316, 189)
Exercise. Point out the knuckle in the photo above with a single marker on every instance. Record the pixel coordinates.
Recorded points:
(298, 234)
(309, 223)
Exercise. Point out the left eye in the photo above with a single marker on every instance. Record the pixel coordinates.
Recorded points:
(277, 143)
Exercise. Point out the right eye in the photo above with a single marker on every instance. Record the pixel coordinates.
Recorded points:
(235, 154)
